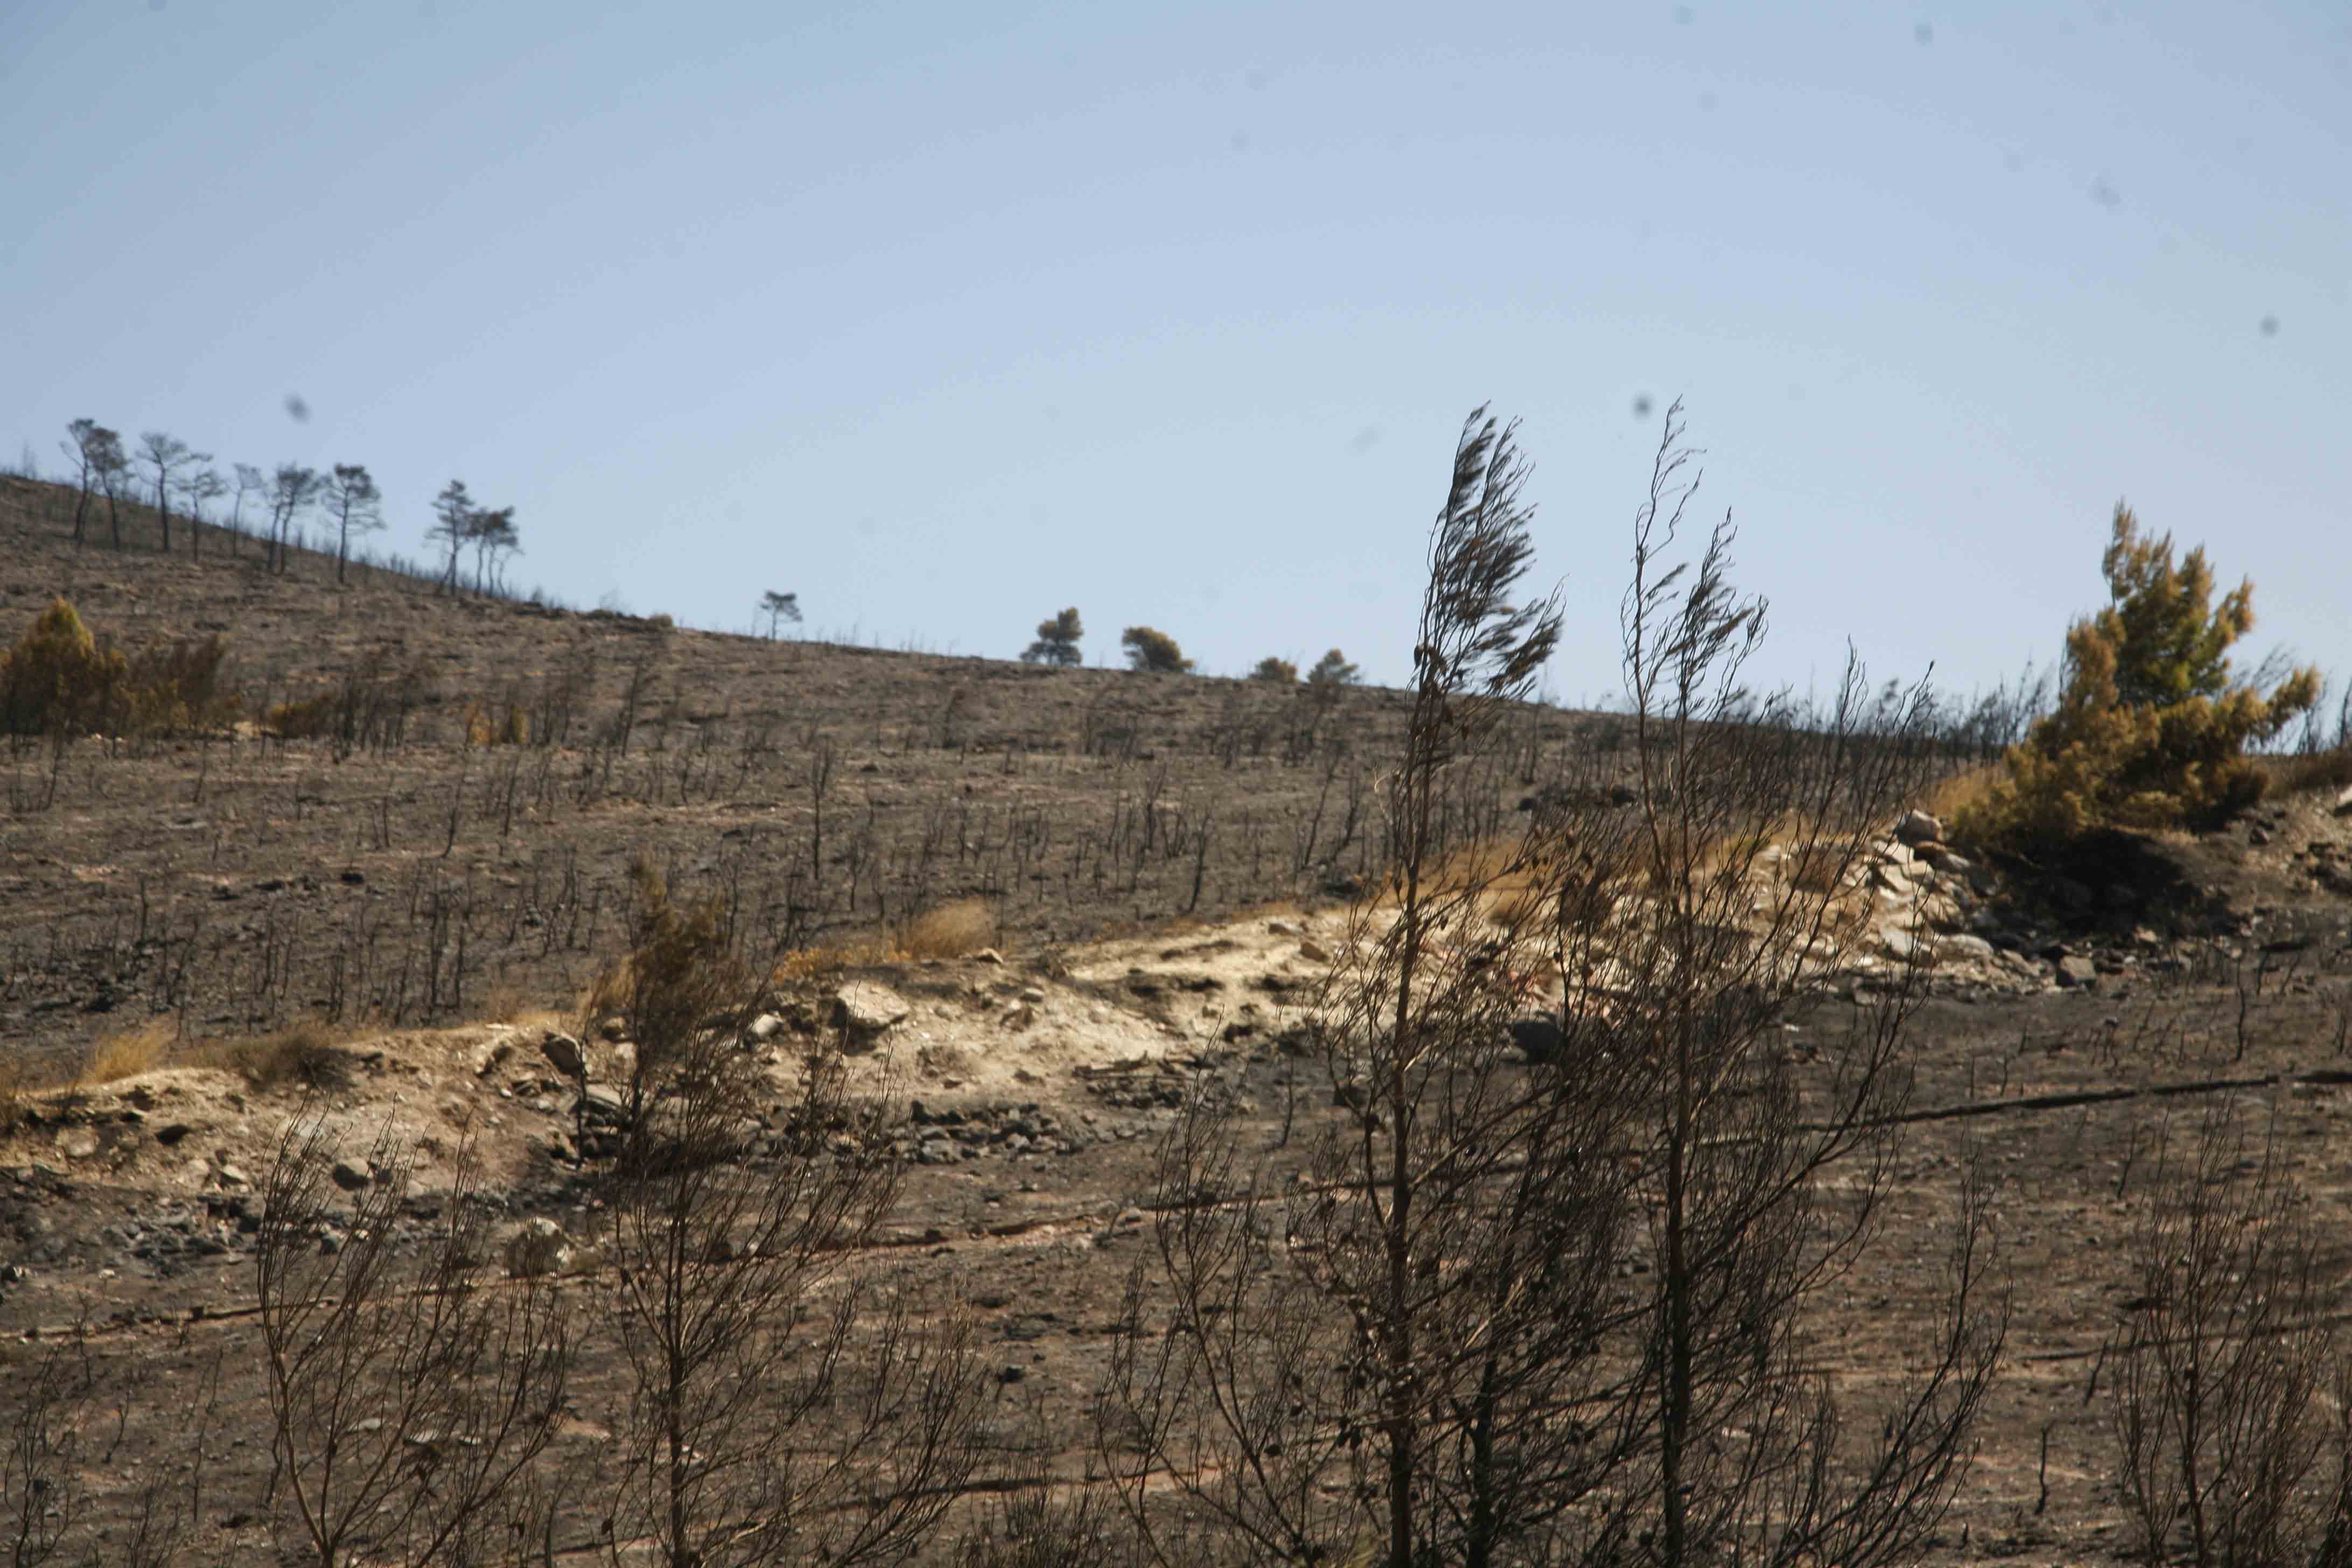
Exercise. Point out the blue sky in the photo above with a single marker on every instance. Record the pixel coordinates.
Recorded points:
(945, 316)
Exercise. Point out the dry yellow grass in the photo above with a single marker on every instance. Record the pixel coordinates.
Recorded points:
(2304, 773)
(950, 930)
(305, 1051)
(118, 1057)
(829, 957)
(1960, 791)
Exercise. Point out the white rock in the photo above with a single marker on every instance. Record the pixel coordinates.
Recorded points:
(1918, 828)
(864, 1009)
(763, 1029)
(1965, 948)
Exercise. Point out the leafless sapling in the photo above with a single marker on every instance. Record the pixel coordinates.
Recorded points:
(2224, 1370)
(409, 1392)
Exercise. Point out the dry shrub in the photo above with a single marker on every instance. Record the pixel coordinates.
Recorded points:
(950, 930)
(1960, 792)
(180, 688)
(303, 1053)
(2309, 771)
(16, 1082)
(496, 724)
(118, 1057)
(305, 718)
(680, 981)
(821, 959)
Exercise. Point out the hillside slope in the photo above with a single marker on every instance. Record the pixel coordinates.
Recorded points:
(414, 872)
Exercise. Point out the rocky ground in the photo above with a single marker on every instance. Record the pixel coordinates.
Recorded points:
(2064, 1028)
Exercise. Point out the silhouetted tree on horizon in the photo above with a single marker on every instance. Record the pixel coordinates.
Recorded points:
(1057, 641)
(1153, 652)
(354, 504)
(778, 607)
(293, 490)
(165, 456)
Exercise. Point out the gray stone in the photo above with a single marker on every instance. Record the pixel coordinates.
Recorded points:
(1965, 948)
(351, 1178)
(1947, 859)
(2074, 969)
(564, 1054)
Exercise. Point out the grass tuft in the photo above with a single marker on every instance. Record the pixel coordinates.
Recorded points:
(118, 1057)
(951, 931)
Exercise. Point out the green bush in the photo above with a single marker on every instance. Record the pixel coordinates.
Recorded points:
(1276, 672)
(56, 680)
(1154, 651)
(2152, 726)
(1057, 641)
(1333, 669)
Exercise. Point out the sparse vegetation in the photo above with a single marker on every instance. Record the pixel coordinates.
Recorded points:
(1675, 933)
(1333, 669)
(951, 931)
(1276, 672)
(60, 681)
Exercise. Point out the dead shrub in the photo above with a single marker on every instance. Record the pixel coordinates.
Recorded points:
(680, 982)
(368, 709)
(2306, 772)
(2225, 1449)
(950, 930)
(180, 688)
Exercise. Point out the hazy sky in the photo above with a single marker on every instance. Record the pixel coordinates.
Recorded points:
(945, 316)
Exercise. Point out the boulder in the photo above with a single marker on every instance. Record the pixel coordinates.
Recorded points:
(352, 1176)
(865, 1011)
(763, 1029)
(1965, 948)
(1538, 1037)
(1900, 944)
(1918, 828)
(564, 1054)
(2343, 807)
(540, 1247)
(1947, 859)
(2074, 969)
